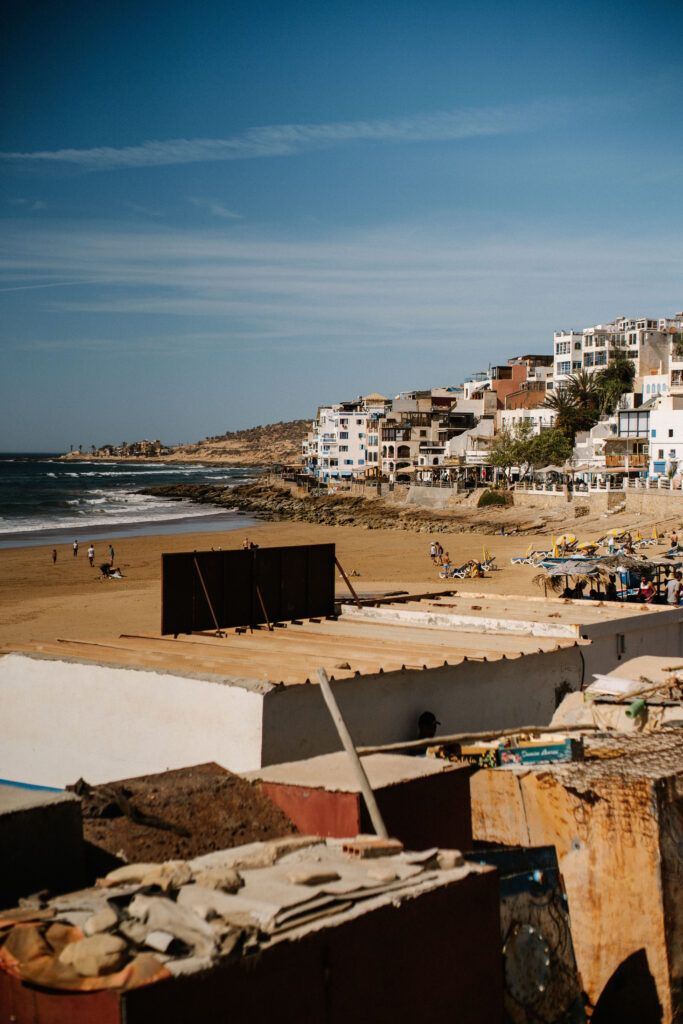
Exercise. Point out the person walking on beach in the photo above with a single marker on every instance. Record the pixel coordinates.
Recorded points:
(75, 548)
(91, 555)
(439, 553)
(674, 541)
(432, 552)
(54, 556)
(111, 555)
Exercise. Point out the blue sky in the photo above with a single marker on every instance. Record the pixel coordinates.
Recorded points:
(225, 214)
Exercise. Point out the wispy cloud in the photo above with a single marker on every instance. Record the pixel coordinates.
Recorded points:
(437, 289)
(215, 208)
(27, 204)
(288, 139)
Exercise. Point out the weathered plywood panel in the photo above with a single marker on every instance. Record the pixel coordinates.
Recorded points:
(607, 837)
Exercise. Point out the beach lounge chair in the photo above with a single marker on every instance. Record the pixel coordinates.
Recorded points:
(455, 573)
(525, 559)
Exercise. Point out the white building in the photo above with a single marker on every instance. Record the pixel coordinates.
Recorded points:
(540, 418)
(344, 441)
(666, 436)
(647, 342)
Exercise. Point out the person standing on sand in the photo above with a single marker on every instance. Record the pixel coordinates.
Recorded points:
(75, 548)
(439, 553)
(91, 555)
(245, 543)
(111, 555)
(432, 552)
(54, 556)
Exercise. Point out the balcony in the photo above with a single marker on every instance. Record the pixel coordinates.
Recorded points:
(627, 461)
(396, 434)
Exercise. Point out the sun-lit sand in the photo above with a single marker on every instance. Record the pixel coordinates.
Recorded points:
(42, 601)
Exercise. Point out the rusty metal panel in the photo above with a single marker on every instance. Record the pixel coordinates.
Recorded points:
(245, 588)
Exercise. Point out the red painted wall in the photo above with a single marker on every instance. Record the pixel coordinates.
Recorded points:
(431, 811)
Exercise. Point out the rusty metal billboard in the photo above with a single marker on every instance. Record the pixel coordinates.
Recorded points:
(218, 589)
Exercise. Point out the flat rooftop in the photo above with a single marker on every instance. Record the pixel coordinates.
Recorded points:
(292, 652)
(17, 798)
(334, 773)
(504, 613)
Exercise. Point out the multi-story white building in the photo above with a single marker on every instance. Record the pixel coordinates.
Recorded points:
(647, 342)
(666, 435)
(418, 422)
(344, 440)
(540, 418)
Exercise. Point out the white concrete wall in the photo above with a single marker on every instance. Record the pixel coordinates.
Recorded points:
(470, 696)
(63, 720)
(657, 633)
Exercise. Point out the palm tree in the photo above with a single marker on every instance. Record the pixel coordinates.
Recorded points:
(583, 389)
(614, 381)
(570, 417)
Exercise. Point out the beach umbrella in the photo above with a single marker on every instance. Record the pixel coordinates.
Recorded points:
(638, 536)
(555, 550)
(655, 535)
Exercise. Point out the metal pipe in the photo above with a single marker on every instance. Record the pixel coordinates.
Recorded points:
(358, 770)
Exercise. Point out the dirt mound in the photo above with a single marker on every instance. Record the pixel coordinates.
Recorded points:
(178, 814)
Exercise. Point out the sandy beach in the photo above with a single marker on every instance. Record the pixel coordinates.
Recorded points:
(42, 601)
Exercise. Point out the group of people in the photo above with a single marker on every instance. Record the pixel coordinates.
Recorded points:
(436, 553)
(91, 554)
(647, 591)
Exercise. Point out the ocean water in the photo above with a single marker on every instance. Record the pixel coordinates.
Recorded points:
(43, 501)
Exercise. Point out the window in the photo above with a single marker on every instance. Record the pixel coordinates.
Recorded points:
(343, 447)
(348, 462)
(361, 462)
(671, 433)
(654, 433)
(576, 365)
(660, 453)
(344, 434)
(577, 346)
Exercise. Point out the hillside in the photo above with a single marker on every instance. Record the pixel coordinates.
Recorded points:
(273, 444)
(257, 446)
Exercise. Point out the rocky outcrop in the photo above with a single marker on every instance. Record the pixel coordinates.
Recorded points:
(272, 502)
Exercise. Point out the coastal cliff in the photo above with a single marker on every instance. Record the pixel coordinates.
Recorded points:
(271, 445)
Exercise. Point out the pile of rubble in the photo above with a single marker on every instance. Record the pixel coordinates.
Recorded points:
(146, 922)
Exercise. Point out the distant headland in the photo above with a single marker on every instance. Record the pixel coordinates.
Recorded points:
(273, 444)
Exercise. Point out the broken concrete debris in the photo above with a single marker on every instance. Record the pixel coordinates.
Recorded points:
(169, 916)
